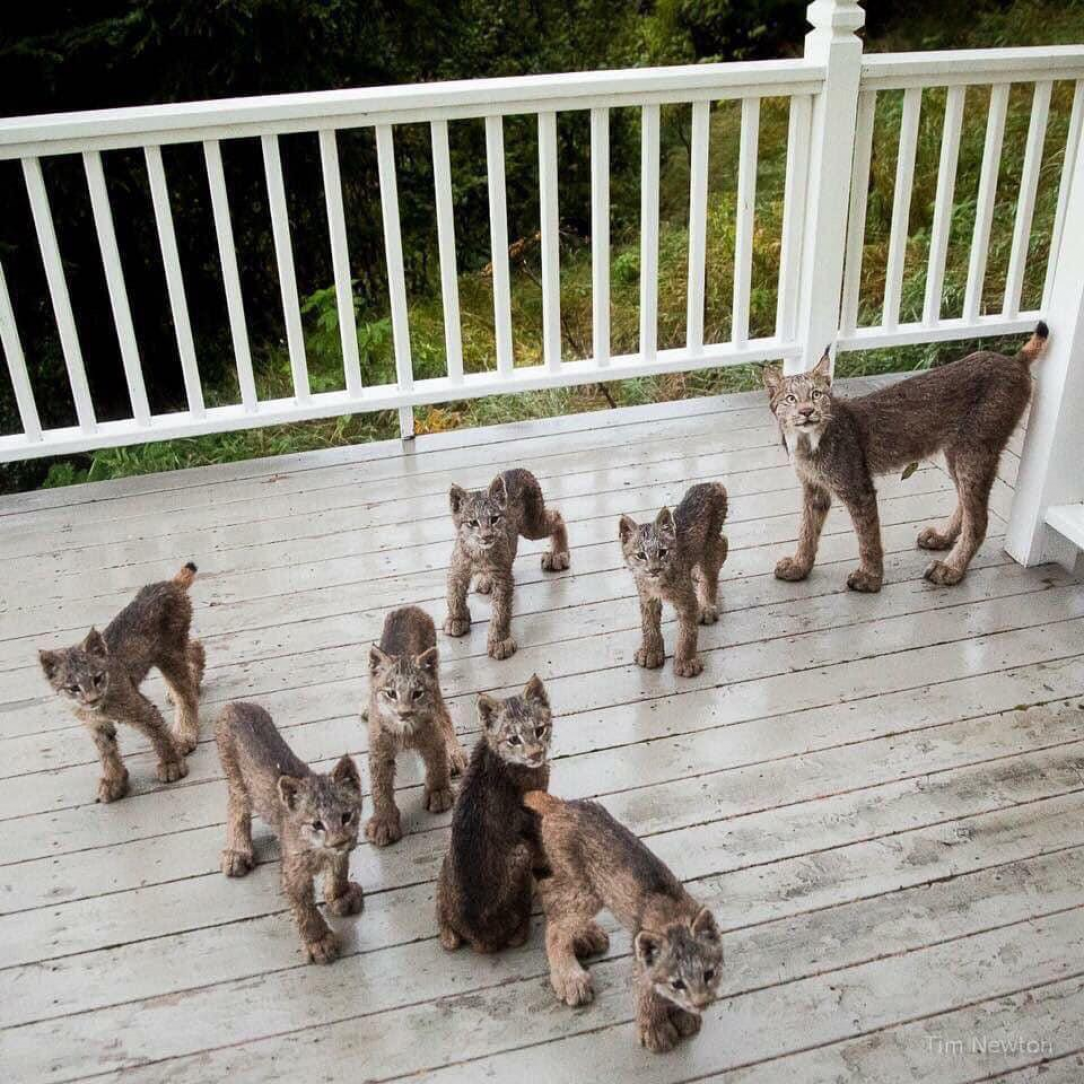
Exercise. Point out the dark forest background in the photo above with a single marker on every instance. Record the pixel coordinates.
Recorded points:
(105, 53)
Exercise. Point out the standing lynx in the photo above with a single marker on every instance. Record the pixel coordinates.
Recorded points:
(488, 526)
(100, 679)
(407, 712)
(967, 410)
(677, 559)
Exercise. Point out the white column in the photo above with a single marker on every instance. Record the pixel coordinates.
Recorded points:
(1052, 467)
(831, 42)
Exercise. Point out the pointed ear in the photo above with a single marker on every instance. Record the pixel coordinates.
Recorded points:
(288, 790)
(704, 926)
(94, 644)
(456, 496)
(487, 710)
(772, 376)
(345, 773)
(49, 660)
(498, 490)
(823, 369)
(536, 691)
(428, 661)
(626, 528)
(665, 521)
(648, 947)
(377, 659)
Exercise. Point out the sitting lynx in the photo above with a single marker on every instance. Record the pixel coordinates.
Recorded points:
(316, 818)
(488, 526)
(407, 711)
(677, 558)
(100, 679)
(586, 862)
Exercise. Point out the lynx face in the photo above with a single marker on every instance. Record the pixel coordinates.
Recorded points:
(324, 810)
(79, 674)
(405, 688)
(802, 404)
(519, 729)
(650, 549)
(684, 963)
(480, 515)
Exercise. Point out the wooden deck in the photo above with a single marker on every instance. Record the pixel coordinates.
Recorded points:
(882, 797)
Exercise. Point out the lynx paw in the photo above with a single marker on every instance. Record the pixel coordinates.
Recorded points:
(866, 582)
(501, 649)
(650, 659)
(112, 787)
(709, 615)
(574, 988)
(483, 585)
(382, 832)
(449, 939)
(555, 562)
(237, 863)
(687, 1023)
(457, 759)
(659, 1036)
(789, 569)
(439, 800)
(943, 574)
(169, 771)
(349, 903)
(323, 951)
(591, 941)
(457, 626)
(933, 539)
(688, 667)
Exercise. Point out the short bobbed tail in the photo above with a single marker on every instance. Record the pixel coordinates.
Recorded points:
(1032, 350)
(185, 577)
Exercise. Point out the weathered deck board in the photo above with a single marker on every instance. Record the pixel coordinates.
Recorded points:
(880, 796)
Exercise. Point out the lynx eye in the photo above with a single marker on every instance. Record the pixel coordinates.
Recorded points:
(515, 739)
(496, 517)
(416, 695)
(540, 732)
(640, 555)
(662, 553)
(472, 523)
(317, 826)
(98, 679)
(678, 984)
(816, 394)
(709, 974)
(391, 694)
(349, 815)
(73, 689)
(791, 399)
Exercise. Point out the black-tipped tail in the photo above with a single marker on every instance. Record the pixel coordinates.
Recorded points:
(1033, 348)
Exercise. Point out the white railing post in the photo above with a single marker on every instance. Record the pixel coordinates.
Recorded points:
(833, 43)
(1050, 468)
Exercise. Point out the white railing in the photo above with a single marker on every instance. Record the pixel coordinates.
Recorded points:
(831, 92)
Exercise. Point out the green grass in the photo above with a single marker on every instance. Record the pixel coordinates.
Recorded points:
(1026, 22)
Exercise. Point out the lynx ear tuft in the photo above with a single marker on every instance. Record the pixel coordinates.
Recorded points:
(49, 660)
(648, 947)
(487, 710)
(377, 659)
(94, 644)
(626, 528)
(456, 496)
(772, 376)
(345, 773)
(665, 520)
(823, 369)
(428, 660)
(704, 926)
(289, 787)
(536, 691)
(498, 490)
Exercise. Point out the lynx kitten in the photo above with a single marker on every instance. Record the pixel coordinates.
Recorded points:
(587, 862)
(407, 711)
(316, 818)
(485, 886)
(677, 558)
(488, 526)
(100, 679)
